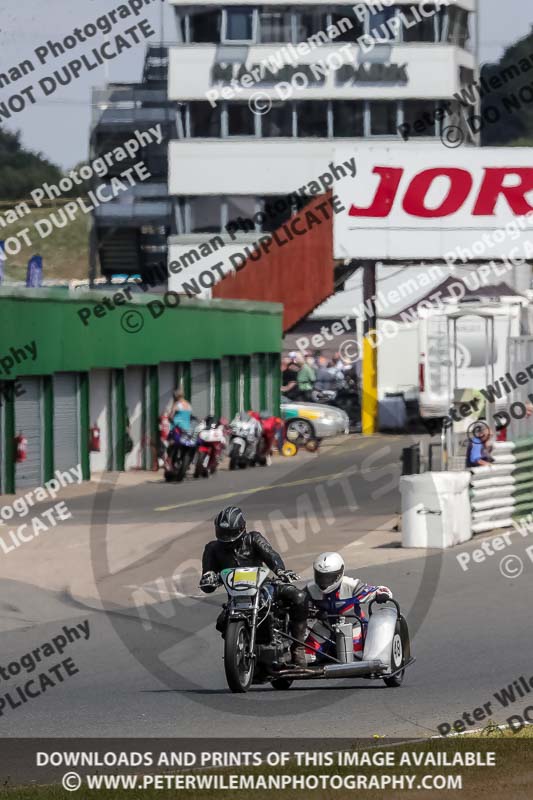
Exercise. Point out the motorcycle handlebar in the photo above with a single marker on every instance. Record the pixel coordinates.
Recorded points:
(214, 581)
(285, 579)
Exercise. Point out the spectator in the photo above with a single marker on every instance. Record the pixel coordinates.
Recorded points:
(478, 453)
(338, 363)
(289, 377)
(306, 377)
(181, 412)
(325, 377)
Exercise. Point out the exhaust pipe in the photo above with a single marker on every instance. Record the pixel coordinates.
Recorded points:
(354, 669)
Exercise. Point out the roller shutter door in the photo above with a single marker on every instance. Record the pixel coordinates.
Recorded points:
(201, 388)
(270, 386)
(240, 385)
(29, 420)
(66, 421)
(135, 411)
(226, 387)
(255, 383)
(168, 383)
(99, 411)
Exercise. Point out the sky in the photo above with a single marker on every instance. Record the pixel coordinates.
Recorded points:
(59, 126)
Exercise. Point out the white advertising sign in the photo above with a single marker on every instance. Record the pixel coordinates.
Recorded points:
(433, 203)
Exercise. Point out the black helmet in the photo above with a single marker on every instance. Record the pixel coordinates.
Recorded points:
(230, 525)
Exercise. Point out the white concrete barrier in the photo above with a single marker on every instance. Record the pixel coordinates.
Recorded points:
(435, 509)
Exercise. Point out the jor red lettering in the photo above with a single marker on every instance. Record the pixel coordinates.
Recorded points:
(508, 185)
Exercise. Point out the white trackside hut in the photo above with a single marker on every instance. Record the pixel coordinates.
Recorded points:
(465, 346)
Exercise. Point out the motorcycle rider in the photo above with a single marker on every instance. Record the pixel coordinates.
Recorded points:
(234, 546)
(332, 593)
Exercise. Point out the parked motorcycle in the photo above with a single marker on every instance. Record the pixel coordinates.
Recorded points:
(270, 427)
(345, 397)
(245, 433)
(257, 643)
(210, 445)
(181, 447)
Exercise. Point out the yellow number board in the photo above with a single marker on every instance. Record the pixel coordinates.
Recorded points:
(245, 576)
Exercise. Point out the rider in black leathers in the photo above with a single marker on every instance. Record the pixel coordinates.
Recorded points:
(237, 547)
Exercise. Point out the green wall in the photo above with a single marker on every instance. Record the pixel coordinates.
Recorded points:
(193, 330)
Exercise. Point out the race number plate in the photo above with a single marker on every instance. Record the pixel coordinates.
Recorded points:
(248, 576)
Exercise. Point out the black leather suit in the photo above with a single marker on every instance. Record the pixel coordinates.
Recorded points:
(253, 550)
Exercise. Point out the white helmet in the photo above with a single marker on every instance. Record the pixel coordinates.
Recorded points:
(329, 571)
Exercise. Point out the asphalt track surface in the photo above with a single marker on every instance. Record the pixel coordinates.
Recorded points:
(160, 672)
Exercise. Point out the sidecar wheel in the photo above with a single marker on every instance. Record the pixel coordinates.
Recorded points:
(281, 684)
(397, 658)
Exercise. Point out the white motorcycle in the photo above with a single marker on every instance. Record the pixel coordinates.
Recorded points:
(244, 438)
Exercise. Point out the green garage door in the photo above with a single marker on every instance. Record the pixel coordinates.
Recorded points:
(226, 387)
(201, 388)
(273, 382)
(168, 383)
(29, 421)
(66, 421)
(255, 383)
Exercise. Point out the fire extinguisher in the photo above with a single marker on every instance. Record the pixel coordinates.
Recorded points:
(94, 439)
(21, 448)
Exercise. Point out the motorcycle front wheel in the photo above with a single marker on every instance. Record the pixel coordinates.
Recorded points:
(238, 665)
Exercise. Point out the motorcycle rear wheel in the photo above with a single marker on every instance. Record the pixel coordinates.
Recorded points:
(238, 668)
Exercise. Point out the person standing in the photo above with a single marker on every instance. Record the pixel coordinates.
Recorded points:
(289, 377)
(181, 412)
(324, 380)
(479, 449)
(306, 378)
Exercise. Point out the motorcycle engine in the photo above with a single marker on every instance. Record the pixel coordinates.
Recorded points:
(276, 652)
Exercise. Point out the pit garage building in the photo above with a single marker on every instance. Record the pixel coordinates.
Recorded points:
(118, 372)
